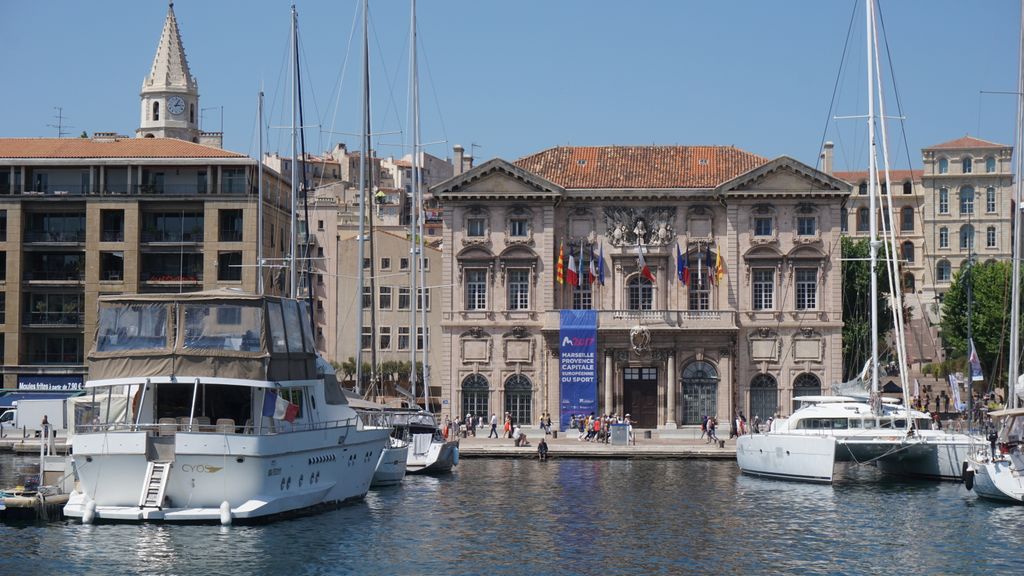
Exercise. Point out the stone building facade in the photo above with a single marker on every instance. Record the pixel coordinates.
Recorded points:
(767, 329)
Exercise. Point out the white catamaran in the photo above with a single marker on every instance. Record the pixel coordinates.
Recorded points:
(863, 429)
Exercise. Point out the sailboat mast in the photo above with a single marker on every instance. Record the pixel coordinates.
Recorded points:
(872, 204)
(421, 286)
(292, 269)
(259, 201)
(414, 248)
(1015, 251)
(364, 150)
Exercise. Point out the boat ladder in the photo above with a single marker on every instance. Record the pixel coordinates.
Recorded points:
(154, 484)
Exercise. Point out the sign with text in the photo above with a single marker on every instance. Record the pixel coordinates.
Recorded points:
(58, 383)
(577, 364)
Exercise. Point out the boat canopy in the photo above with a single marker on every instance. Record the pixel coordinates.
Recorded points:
(1007, 412)
(218, 333)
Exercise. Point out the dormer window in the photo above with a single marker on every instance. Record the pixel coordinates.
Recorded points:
(990, 164)
(943, 166)
(476, 226)
(863, 188)
(968, 165)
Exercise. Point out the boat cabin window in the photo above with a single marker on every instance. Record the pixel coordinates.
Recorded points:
(277, 342)
(132, 326)
(822, 424)
(223, 327)
(214, 402)
(307, 327)
(292, 325)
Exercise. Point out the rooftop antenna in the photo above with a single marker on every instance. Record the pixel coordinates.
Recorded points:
(60, 125)
(472, 149)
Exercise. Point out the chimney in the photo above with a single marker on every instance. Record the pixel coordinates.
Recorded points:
(457, 164)
(826, 158)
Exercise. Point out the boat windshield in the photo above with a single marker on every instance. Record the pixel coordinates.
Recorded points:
(822, 424)
(132, 326)
(223, 326)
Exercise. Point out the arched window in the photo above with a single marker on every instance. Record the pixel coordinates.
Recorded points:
(700, 391)
(863, 220)
(192, 113)
(863, 188)
(908, 282)
(907, 219)
(908, 251)
(943, 271)
(641, 293)
(519, 399)
(967, 165)
(943, 237)
(805, 384)
(990, 164)
(990, 199)
(764, 396)
(475, 391)
(844, 220)
(967, 200)
(156, 111)
(908, 187)
(967, 237)
(943, 166)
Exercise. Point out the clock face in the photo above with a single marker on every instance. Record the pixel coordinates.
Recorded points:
(175, 105)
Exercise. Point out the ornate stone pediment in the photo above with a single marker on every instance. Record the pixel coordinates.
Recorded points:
(654, 226)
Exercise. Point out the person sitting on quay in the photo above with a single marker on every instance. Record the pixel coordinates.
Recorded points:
(519, 437)
(542, 449)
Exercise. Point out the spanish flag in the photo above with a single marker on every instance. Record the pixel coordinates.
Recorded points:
(560, 267)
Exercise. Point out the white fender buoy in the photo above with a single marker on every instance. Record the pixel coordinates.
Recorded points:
(225, 513)
(90, 512)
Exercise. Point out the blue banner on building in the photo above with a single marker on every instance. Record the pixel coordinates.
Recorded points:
(577, 364)
(69, 382)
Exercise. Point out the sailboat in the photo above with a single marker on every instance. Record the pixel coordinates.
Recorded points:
(859, 428)
(996, 471)
(430, 451)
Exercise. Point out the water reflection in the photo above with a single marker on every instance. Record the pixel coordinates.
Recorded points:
(564, 516)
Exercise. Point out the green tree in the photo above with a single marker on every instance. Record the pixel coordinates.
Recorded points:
(856, 277)
(990, 317)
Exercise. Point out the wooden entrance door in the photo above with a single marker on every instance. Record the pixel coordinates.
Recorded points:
(640, 390)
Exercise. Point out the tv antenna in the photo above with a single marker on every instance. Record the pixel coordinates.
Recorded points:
(60, 125)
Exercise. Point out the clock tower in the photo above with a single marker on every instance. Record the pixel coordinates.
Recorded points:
(170, 94)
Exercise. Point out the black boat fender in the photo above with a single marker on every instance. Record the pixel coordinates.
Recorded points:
(967, 475)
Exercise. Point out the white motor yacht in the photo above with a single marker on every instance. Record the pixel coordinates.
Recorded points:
(229, 417)
(392, 463)
(830, 429)
(999, 474)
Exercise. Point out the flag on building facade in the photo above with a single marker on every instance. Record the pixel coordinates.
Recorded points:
(581, 270)
(686, 268)
(679, 263)
(645, 270)
(600, 266)
(719, 267)
(710, 264)
(976, 374)
(560, 267)
(593, 266)
(572, 275)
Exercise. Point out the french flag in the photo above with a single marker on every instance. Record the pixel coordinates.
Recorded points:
(645, 270)
(279, 408)
(572, 276)
(593, 265)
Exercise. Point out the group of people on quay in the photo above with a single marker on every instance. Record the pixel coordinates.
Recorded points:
(598, 428)
(467, 426)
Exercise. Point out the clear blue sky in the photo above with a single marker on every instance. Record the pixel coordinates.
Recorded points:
(516, 77)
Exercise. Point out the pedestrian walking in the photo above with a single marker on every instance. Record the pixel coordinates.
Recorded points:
(494, 426)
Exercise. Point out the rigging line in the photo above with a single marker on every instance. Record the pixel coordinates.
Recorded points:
(301, 51)
(339, 83)
(277, 90)
(392, 107)
(305, 185)
(433, 87)
(835, 86)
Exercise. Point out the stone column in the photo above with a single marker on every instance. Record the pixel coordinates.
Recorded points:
(670, 390)
(609, 383)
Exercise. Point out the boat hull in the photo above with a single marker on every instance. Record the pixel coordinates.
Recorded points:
(391, 466)
(256, 475)
(430, 456)
(787, 457)
(997, 480)
(937, 458)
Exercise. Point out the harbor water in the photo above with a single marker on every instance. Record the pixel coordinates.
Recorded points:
(524, 517)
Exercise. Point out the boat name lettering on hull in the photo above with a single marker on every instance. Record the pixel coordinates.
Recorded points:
(201, 468)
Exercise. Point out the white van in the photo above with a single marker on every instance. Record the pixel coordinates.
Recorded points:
(8, 420)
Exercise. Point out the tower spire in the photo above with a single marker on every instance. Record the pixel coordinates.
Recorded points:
(170, 65)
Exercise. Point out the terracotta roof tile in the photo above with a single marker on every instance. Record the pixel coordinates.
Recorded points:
(895, 175)
(640, 167)
(114, 148)
(966, 142)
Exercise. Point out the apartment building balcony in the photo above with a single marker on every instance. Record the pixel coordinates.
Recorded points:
(54, 236)
(157, 236)
(58, 319)
(168, 278)
(688, 320)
